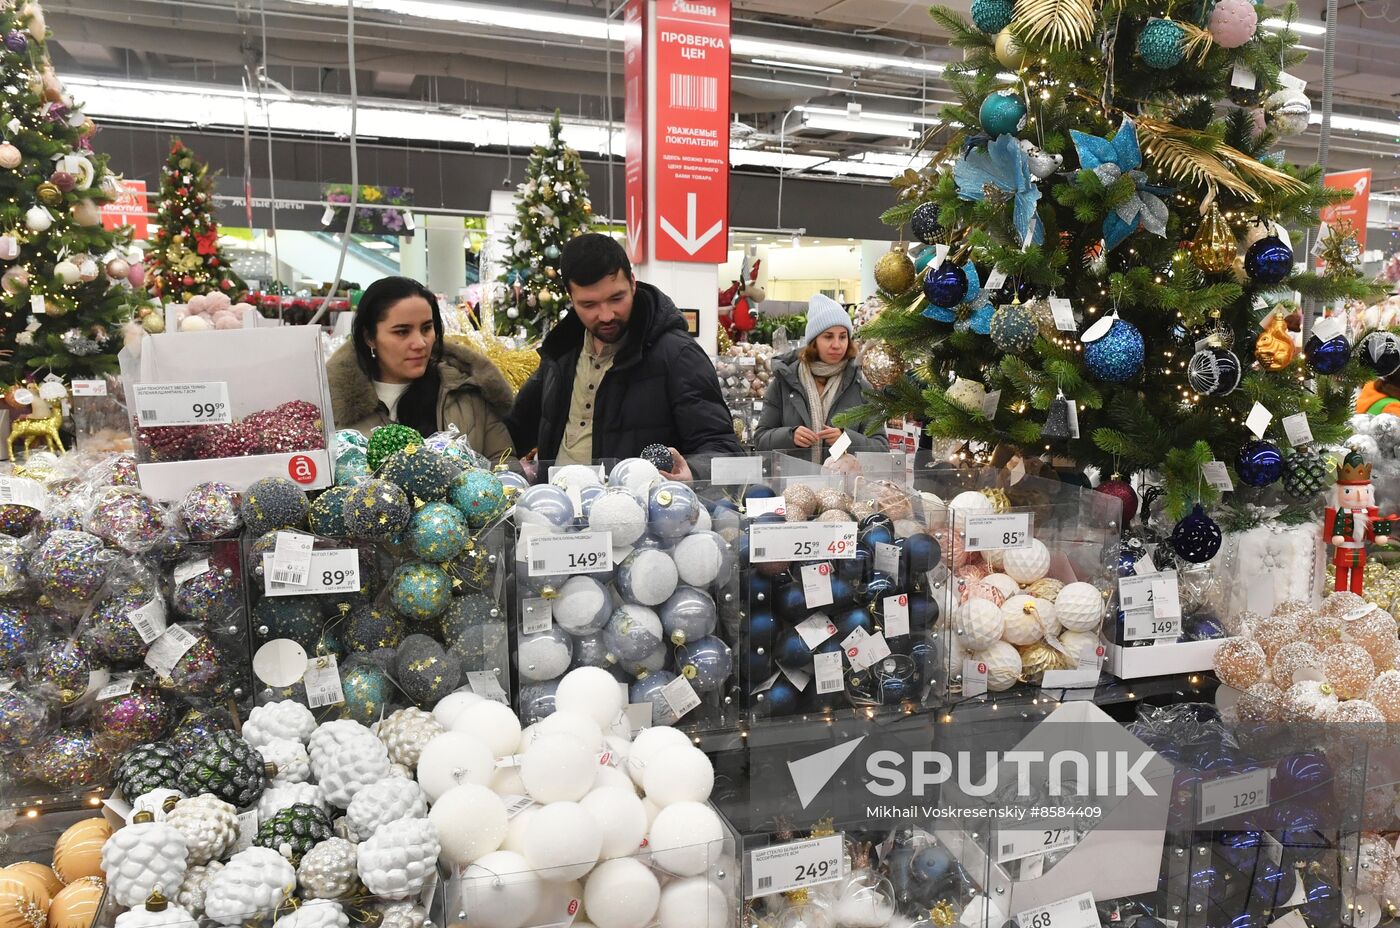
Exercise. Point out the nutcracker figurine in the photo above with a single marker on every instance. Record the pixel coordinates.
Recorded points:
(1354, 521)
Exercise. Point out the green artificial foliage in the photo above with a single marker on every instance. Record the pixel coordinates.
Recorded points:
(552, 207)
(186, 259)
(1200, 143)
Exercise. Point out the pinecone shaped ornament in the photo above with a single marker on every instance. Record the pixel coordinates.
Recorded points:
(294, 831)
(328, 870)
(345, 758)
(158, 912)
(191, 894)
(1305, 474)
(250, 887)
(277, 798)
(284, 719)
(380, 803)
(228, 767)
(316, 913)
(402, 915)
(399, 858)
(147, 767)
(209, 824)
(289, 757)
(142, 856)
(405, 732)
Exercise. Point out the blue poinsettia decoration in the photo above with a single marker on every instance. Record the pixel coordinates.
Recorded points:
(1110, 159)
(1003, 165)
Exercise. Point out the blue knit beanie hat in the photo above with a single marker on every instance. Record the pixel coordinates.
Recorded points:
(822, 313)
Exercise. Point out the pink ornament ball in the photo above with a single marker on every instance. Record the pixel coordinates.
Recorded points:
(227, 320)
(980, 589)
(1232, 23)
(136, 275)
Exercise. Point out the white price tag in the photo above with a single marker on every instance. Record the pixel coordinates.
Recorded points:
(37, 305)
(993, 532)
(748, 361)
(1075, 912)
(801, 541)
(639, 714)
(1258, 420)
(990, 401)
(1297, 429)
(291, 558)
(582, 553)
(322, 681)
(247, 829)
(756, 506)
(1083, 676)
(21, 491)
(1141, 625)
(838, 447)
(1217, 475)
(1234, 795)
(864, 649)
(1329, 327)
(165, 652)
(995, 279)
(485, 684)
(332, 571)
(798, 677)
(191, 569)
(517, 804)
(118, 687)
(1063, 313)
(680, 696)
(1292, 83)
(535, 616)
(149, 620)
(896, 610)
(1016, 470)
(1243, 78)
(182, 404)
(328, 216)
(974, 678)
(1135, 592)
(1072, 415)
(795, 865)
(763, 686)
(887, 559)
(816, 585)
(732, 472)
(89, 388)
(1015, 843)
(1293, 919)
(827, 668)
(815, 629)
(1166, 597)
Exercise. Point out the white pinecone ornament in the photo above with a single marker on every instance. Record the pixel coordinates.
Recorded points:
(209, 824)
(381, 803)
(277, 798)
(399, 770)
(399, 858)
(328, 870)
(191, 894)
(345, 758)
(142, 856)
(157, 912)
(286, 719)
(290, 757)
(402, 915)
(405, 732)
(251, 887)
(317, 913)
(336, 732)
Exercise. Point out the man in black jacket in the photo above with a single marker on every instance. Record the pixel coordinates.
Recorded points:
(620, 372)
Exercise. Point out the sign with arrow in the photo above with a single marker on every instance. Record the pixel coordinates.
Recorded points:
(635, 89)
(690, 134)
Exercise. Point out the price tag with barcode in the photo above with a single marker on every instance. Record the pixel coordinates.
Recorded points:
(330, 571)
(1063, 314)
(974, 678)
(118, 687)
(887, 559)
(1075, 912)
(735, 471)
(816, 585)
(896, 612)
(190, 569)
(536, 616)
(581, 553)
(485, 684)
(815, 629)
(990, 401)
(247, 829)
(1297, 429)
(993, 532)
(517, 804)
(1217, 475)
(148, 620)
(801, 541)
(1134, 592)
(165, 652)
(1141, 625)
(89, 388)
(1243, 78)
(756, 506)
(182, 404)
(1015, 843)
(827, 668)
(291, 558)
(322, 681)
(21, 491)
(796, 865)
(995, 279)
(1234, 795)
(680, 696)
(864, 649)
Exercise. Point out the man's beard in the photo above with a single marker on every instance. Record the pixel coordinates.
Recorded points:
(610, 334)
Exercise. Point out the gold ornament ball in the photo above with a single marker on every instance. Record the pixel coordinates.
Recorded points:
(1009, 51)
(154, 323)
(1044, 318)
(550, 272)
(894, 272)
(49, 194)
(1213, 249)
(86, 213)
(882, 364)
(88, 129)
(1039, 657)
(118, 268)
(1000, 501)
(53, 308)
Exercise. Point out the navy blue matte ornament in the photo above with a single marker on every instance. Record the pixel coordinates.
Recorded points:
(792, 651)
(1259, 463)
(781, 698)
(875, 534)
(1327, 357)
(763, 630)
(791, 604)
(1196, 538)
(1117, 357)
(946, 285)
(1380, 351)
(851, 619)
(1269, 260)
(923, 552)
(925, 223)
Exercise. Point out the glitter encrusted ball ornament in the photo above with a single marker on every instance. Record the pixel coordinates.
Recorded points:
(894, 271)
(992, 16)
(388, 439)
(1306, 474)
(1213, 248)
(61, 670)
(297, 618)
(924, 222)
(946, 285)
(1117, 356)
(882, 365)
(420, 592)
(70, 567)
(1259, 463)
(21, 630)
(377, 509)
(24, 718)
(273, 503)
(1013, 328)
(1380, 351)
(659, 456)
(147, 767)
(1122, 491)
(1268, 261)
(1349, 669)
(326, 516)
(1327, 357)
(293, 831)
(69, 759)
(225, 766)
(1001, 114)
(215, 592)
(1213, 371)
(370, 628)
(1162, 44)
(327, 871)
(437, 533)
(121, 721)
(479, 496)
(1196, 538)
(1240, 663)
(1232, 22)
(210, 511)
(209, 824)
(405, 732)
(367, 690)
(424, 671)
(421, 472)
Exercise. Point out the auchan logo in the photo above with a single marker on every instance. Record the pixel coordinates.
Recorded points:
(301, 468)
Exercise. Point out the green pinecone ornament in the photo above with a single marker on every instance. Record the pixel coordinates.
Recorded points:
(1306, 474)
(147, 767)
(227, 767)
(294, 830)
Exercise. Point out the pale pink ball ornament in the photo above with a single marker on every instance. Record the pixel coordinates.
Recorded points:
(1232, 23)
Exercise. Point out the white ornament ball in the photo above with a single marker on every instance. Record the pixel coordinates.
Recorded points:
(285, 719)
(506, 782)
(290, 757)
(679, 775)
(1001, 582)
(38, 219)
(686, 838)
(544, 656)
(500, 891)
(493, 722)
(703, 557)
(592, 691)
(613, 777)
(1028, 564)
(452, 705)
(66, 272)
(1079, 644)
(648, 743)
(583, 606)
(515, 830)
(969, 502)
(694, 902)
(576, 476)
(1003, 665)
(380, 803)
(620, 893)
(653, 577)
(250, 887)
(571, 722)
(558, 768)
(1079, 607)
(618, 512)
(451, 759)
(1021, 622)
(470, 821)
(562, 841)
(138, 858)
(398, 859)
(315, 913)
(978, 622)
(209, 824)
(621, 817)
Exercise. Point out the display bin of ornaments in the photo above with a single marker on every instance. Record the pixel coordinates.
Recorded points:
(232, 407)
(842, 594)
(634, 574)
(744, 372)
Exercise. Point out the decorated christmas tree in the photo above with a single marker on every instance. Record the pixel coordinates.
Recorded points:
(1103, 242)
(65, 278)
(186, 259)
(552, 208)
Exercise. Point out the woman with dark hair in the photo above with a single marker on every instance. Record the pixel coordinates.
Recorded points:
(397, 367)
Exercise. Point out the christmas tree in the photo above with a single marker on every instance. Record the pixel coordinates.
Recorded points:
(1120, 200)
(552, 208)
(186, 259)
(65, 278)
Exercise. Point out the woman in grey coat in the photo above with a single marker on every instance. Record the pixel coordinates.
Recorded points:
(810, 385)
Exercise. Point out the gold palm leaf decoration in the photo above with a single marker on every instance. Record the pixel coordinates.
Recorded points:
(1055, 23)
(1198, 42)
(1201, 158)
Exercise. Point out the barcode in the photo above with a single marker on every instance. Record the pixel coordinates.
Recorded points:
(1209, 811)
(1085, 905)
(294, 577)
(764, 882)
(537, 565)
(1008, 849)
(693, 92)
(149, 415)
(7, 493)
(974, 541)
(760, 552)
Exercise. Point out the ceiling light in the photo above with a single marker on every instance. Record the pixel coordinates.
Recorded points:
(875, 127)
(796, 66)
(1301, 28)
(384, 246)
(910, 118)
(1389, 128)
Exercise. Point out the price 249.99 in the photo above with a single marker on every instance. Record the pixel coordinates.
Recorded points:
(814, 871)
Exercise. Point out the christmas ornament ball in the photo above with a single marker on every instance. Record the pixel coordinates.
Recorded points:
(1213, 371)
(122, 721)
(1240, 663)
(1027, 564)
(77, 854)
(1268, 260)
(1213, 248)
(1306, 474)
(992, 16)
(1259, 463)
(1122, 491)
(471, 822)
(1327, 357)
(377, 509)
(894, 272)
(558, 768)
(659, 456)
(618, 511)
(425, 671)
(388, 439)
(478, 495)
(562, 841)
(273, 503)
(492, 722)
(1001, 114)
(685, 838)
(210, 511)
(10, 156)
(924, 222)
(883, 365)
(75, 905)
(1196, 538)
(419, 592)
(500, 890)
(1161, 43)
(1117, 356)
(437, 533)
(421, 472)
(946, 285)
(1009, 51)
(69, 567)
(1079, 607)
(1232, 22)
(1349, 669)
(1288, 112)
(1380, 351)
(1014, 328)
(1004, 665)
(546, 655)
(212, 593)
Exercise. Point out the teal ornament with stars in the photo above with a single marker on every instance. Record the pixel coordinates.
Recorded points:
(421, 472)
(420, 592)
(368, 691)
(327, 513)
(479, 496)
(437, 533)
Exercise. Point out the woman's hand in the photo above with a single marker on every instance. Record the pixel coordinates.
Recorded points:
(804, 437)
(829, 434)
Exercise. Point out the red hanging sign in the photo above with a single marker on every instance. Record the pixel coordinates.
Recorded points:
(1355, 209)
(129, 209)
(635, 120)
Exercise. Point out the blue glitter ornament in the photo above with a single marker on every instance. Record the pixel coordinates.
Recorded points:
(21, 630)
(371, 629)
(294, 617)
(437, 533)
(420, 592)
(377, 510)
(1117, 357)
(992, 16)
(1014, 329)
(1196, 538)
(1162, 44)
(368, 692)
(924, 222)
(1327, 357)
(706, 663)
(946, 285)
(673, 509)
(273, 503)
(545, 504)
(648, 689)
(1259, 463)
(421, 472)
(327, 513)
(1268, 261)
(1202, 627)
(1001, 114)
(688, 615)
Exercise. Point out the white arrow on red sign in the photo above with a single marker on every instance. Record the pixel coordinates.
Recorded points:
(690, 241)
(634, 225)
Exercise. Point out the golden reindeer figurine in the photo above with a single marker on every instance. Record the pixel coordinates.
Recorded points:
(32, 428)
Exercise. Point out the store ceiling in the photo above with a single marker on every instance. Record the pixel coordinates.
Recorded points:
(438, 60)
